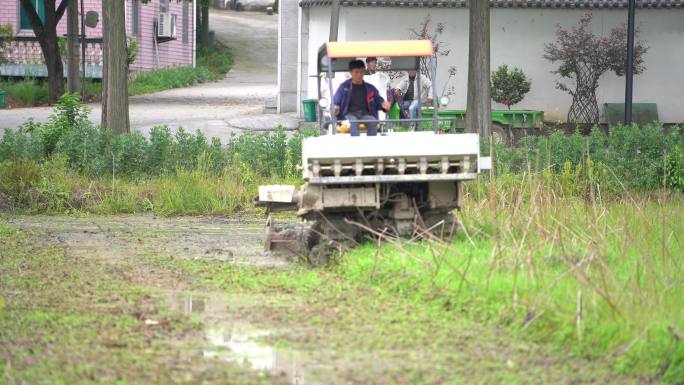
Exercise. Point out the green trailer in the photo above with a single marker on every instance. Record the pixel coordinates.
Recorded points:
(503, 121)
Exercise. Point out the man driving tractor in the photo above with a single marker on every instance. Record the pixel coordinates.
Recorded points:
(358, 100)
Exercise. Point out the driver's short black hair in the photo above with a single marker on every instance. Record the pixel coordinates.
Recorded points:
(371, 59)
(354, 64)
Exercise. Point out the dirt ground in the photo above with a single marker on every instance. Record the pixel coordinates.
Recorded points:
(280, 321)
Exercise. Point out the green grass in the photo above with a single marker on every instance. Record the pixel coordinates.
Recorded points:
(53, 188)
(211, 65)
(159, 80)
(400, 337)
(532, 262)
(28, 91)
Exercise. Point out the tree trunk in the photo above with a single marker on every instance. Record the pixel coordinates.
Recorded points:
(105, 84)
(73, 54)
(334, 20)
(46, 33)
(479, 108)
(204, 32)
(115, 91)
(198, 20)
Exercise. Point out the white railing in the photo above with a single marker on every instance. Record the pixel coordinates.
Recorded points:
(24, 56)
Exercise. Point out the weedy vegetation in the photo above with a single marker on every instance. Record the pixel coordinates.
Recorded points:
(69, 165)
(573, 241)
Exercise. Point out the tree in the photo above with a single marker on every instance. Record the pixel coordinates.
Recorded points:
(115, 70)
(203, 23)
(479, 107)
(73, 56)
(509, 88)
(46, 33)
(439, 49)
(584, 57)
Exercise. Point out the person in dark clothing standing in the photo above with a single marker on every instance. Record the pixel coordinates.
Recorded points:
(357, 100)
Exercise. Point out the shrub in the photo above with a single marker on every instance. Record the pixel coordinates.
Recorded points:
(28, 91)
(630, 158)
(269, 154)
(584, 57)
(509, 88)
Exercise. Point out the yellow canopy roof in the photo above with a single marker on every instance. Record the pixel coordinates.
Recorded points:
(387, 48)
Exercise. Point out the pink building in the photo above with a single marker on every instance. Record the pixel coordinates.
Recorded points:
(163, 29)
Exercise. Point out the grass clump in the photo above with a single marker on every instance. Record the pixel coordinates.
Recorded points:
(212, 64)
(601, 279)
(159, 80)
(29, 91)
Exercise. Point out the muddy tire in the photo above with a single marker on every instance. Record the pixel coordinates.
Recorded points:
(441, 224)
(500, 134)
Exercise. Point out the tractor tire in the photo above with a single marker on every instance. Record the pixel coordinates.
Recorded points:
(500, 134)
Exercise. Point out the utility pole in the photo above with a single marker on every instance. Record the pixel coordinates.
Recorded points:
(334, 19)
(479, 108)
(73, 59)
(630, 63)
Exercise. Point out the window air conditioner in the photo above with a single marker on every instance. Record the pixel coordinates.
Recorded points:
(166, 26)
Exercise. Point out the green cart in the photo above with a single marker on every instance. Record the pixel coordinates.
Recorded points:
(503, 121)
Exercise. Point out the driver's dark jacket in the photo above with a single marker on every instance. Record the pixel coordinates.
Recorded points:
(342, 98)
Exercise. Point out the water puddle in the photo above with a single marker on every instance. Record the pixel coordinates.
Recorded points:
(231, 340)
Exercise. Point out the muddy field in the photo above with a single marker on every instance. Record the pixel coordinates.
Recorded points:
(239, 313)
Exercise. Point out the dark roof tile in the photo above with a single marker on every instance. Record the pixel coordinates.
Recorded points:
(502, 3)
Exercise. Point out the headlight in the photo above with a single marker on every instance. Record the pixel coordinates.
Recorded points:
(323, 103)
(444, 101)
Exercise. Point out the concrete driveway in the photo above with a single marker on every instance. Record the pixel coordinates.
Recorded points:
(218, 109)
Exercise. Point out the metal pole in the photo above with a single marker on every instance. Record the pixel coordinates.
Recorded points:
(630, 63)
(417, 92)
(334, 19)
(435, 121)
(332, 97)
(83, 53)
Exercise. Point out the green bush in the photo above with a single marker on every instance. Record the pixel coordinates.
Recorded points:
(217, 61)
(630, 158)
(94, 152)
(509, 87)
(269, 154)
(165, 79)
(28, 91)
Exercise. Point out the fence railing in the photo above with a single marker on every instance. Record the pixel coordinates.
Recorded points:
(26, 50)
(24, 57)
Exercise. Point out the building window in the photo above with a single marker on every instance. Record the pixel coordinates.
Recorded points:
(25, 23)
(163, 6)
(186, 21)
(135, 16)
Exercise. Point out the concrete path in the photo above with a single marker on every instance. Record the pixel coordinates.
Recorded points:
(218, 109)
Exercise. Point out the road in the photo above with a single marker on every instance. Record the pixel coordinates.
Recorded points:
(218, 109)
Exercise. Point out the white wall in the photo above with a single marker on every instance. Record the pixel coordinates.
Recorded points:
(518, 37)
